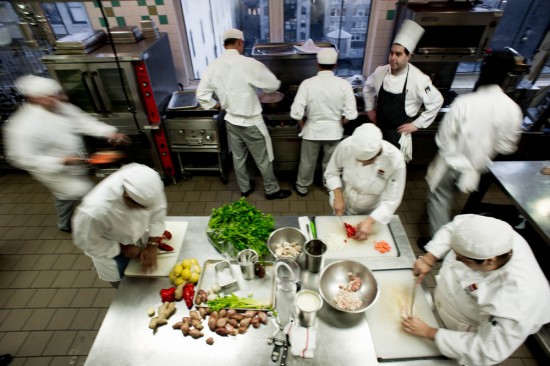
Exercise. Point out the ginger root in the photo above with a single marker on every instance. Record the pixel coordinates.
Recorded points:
(165, 311)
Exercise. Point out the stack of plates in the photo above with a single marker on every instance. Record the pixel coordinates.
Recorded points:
(149, 29)
(126, 34)
(80, 43)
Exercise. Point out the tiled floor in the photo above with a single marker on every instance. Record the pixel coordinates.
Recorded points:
(51, 302)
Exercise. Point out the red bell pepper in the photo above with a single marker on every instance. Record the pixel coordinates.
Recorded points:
(188, 294)
(167, 234)
(350, 230)
(165, 247)
(168, 294)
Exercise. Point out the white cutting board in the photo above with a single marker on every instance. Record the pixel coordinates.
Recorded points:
(165, 261)
(384, 317)
(331, 230)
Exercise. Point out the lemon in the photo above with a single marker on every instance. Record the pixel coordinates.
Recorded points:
(177, 269)
(194, 261)
(194, 278)
(195, 268)
(172, 276)
(179, 281)
(186, 263)
(186, 273)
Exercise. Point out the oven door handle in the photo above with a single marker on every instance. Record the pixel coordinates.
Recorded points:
(102, 102)
(93, 98)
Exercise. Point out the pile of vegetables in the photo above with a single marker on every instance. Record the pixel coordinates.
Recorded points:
(239, 225)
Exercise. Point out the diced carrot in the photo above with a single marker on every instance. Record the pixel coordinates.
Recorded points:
(382, 246)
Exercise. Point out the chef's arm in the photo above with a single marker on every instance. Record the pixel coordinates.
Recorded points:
(494, 341)
(349, 109)
(509, 133)
(418, 327)
(157, 221)
(263, 78)
(370, 93)
(440, 244)
(339, 205)
(432, 100)
(298, 108)
(391, 197)
(86, 124)
(204, 93)
(88, 236)
(364, 229)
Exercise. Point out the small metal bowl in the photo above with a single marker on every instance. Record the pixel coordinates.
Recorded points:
(288, 234)
(336, 274)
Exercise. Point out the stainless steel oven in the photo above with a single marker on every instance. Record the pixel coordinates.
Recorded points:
(95, 81)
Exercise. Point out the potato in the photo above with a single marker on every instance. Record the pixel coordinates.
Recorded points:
(220, 323)
(238, 317)
(202, 313)
(245, 322)
(221, 313)
(212, 323)
(230, 313)
(195, 333)
(185, 328)
(230, 329)
(234, 323)
(242, 330)
(210, 341)
(195, 315)
(249, 313)
(221, 331)
(263, 317)
(177, 325)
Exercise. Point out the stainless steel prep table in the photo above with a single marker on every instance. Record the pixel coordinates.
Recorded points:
(125, 339)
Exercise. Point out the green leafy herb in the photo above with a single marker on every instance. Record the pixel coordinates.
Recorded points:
(234, 302)
(239, 225)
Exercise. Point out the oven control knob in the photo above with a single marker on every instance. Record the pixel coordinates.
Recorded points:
(203, 132)
(181, 132)
(208, 137)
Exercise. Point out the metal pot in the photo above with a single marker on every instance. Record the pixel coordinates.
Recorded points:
(271, 101)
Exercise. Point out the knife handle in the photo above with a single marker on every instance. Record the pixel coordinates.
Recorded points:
(276, 353)
(284, 354)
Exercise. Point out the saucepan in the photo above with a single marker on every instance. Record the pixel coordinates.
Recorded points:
(271, 101)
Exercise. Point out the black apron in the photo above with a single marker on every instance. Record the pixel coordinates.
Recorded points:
(390, 112)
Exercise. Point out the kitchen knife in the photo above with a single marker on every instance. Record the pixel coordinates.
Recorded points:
(412, 298)
(285, 351)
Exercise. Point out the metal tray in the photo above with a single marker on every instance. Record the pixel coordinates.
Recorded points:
(261, 288)
(182, 100)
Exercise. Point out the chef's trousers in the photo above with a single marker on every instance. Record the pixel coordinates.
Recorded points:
(440, 202)
(249, 139)
(65, 209)
(309, 153)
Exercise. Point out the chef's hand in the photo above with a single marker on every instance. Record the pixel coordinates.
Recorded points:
(148, 258)
(364, 229)
(416, 326)
(301, 123)
(344, 120)
(423, 266)
(407, 128)
(72, 160)
(118, 139)
(339, 205)
(372, 116)
(130, 251)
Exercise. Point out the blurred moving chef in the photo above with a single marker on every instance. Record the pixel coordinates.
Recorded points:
(234, 79)
(490, 294)
(394, 93)
(366, 176)
(122, 218)
(479, 126)
(327, 102)
(44, 137)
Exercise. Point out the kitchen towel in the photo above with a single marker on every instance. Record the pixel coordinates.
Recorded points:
(302, 340)
(305, 227)
(405, 141)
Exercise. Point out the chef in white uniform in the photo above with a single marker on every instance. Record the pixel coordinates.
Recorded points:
(491, 293)
(122, 218)
(478, 127)
(394, 93)
(327, 102)
(44, 137)
(366, 176)
(234, 79)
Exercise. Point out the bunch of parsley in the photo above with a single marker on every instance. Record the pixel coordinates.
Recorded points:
(242, 226)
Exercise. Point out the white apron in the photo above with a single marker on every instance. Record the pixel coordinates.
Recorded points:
(269, 146)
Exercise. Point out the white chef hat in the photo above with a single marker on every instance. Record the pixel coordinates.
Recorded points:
(36, 86)
(366, 141)
(481, 237)
(409, 35)
(233, 33)
(327, 56)
(142, 184)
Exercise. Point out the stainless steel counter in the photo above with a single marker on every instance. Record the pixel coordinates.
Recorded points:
(125, 339)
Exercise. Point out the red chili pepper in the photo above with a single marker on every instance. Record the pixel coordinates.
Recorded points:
(168, 294)
(167, 234)
(350, 230)
(188, 294)
(165, 247)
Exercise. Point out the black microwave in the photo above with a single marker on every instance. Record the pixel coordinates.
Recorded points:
(453, 30)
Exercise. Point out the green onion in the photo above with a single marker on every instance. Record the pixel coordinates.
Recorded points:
(234, 302)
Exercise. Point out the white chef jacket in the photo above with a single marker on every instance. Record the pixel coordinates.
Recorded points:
(419, 91)
(234, 77)
(376, 189)
(103, 220)
(324, 99)
(478, 126)
(38, 141)
(488, 315)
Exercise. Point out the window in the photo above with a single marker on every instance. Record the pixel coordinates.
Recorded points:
(66, 17)
(319, 20)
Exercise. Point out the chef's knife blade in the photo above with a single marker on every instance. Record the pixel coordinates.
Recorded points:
(412, 298)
